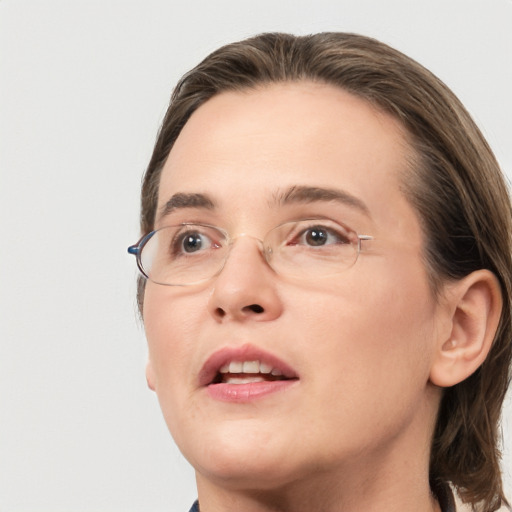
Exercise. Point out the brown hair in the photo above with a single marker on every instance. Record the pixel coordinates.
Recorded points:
(454, 183)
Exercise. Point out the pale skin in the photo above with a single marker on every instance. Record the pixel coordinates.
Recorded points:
(371, 348)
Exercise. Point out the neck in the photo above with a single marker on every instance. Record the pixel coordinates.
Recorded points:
(339, 491)
(386, 476)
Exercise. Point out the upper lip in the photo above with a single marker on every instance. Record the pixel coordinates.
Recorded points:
(247, 352)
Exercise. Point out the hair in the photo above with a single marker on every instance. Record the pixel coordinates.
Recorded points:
(453, 182)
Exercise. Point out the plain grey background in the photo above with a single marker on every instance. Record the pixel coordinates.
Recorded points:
(83, 88)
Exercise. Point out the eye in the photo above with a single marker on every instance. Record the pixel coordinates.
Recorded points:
(191, 241)
(318, 236)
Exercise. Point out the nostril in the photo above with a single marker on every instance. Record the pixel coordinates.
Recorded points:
(255, 308)
(220, 312)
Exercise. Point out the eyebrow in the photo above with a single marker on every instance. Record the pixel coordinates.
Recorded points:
(182, 200)
(304, 194)
(293, 195)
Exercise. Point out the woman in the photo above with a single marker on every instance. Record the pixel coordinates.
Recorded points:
(326, 282)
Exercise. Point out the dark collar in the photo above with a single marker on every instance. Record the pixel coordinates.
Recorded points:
(441, 491)
(444, 495)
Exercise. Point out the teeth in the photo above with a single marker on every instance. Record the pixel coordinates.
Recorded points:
(236, 367)
(242, 380)
(265, 368)
(252, 367)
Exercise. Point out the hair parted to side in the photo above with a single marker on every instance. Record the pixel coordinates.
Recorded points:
(454, 183)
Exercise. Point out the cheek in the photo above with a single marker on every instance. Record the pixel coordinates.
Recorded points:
(374, 332)
(171, 324)
(369, 357)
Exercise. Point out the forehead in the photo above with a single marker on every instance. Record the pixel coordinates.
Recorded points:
(240, 145)
(285, 115)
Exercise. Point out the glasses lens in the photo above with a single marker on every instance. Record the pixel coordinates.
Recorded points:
(316, 247)
(184, 254)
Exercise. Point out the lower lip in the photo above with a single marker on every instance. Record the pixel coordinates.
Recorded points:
(247, 392)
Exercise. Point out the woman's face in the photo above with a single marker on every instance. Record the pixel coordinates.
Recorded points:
(356, 349)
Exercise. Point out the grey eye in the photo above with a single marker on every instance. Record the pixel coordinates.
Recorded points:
(192, 242)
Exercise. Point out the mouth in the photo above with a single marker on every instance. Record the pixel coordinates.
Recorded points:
(245, 373)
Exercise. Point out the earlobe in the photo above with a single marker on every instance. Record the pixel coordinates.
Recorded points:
(150, 376)
(475, 303)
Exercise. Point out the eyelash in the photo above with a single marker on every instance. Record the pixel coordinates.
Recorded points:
(338, 232)
(322, 232)
(176, 245)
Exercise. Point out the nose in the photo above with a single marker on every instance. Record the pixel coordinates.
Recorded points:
(245, 289)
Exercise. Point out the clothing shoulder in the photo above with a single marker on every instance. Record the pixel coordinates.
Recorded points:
(195, 507)
(460, 507)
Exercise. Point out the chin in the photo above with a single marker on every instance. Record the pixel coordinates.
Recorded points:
(239, 456)
(245, 474)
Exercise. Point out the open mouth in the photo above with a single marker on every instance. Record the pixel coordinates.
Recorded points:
(245, 366)
(247, 372)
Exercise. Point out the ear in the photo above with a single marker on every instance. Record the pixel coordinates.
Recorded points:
(150, 376)
(475, 304)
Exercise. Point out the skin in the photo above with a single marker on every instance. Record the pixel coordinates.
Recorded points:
(353, 433)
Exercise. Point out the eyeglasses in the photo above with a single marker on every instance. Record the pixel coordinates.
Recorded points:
(187, 254)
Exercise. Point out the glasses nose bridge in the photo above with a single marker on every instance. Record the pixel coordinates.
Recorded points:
(265, 251)
(245, 235)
